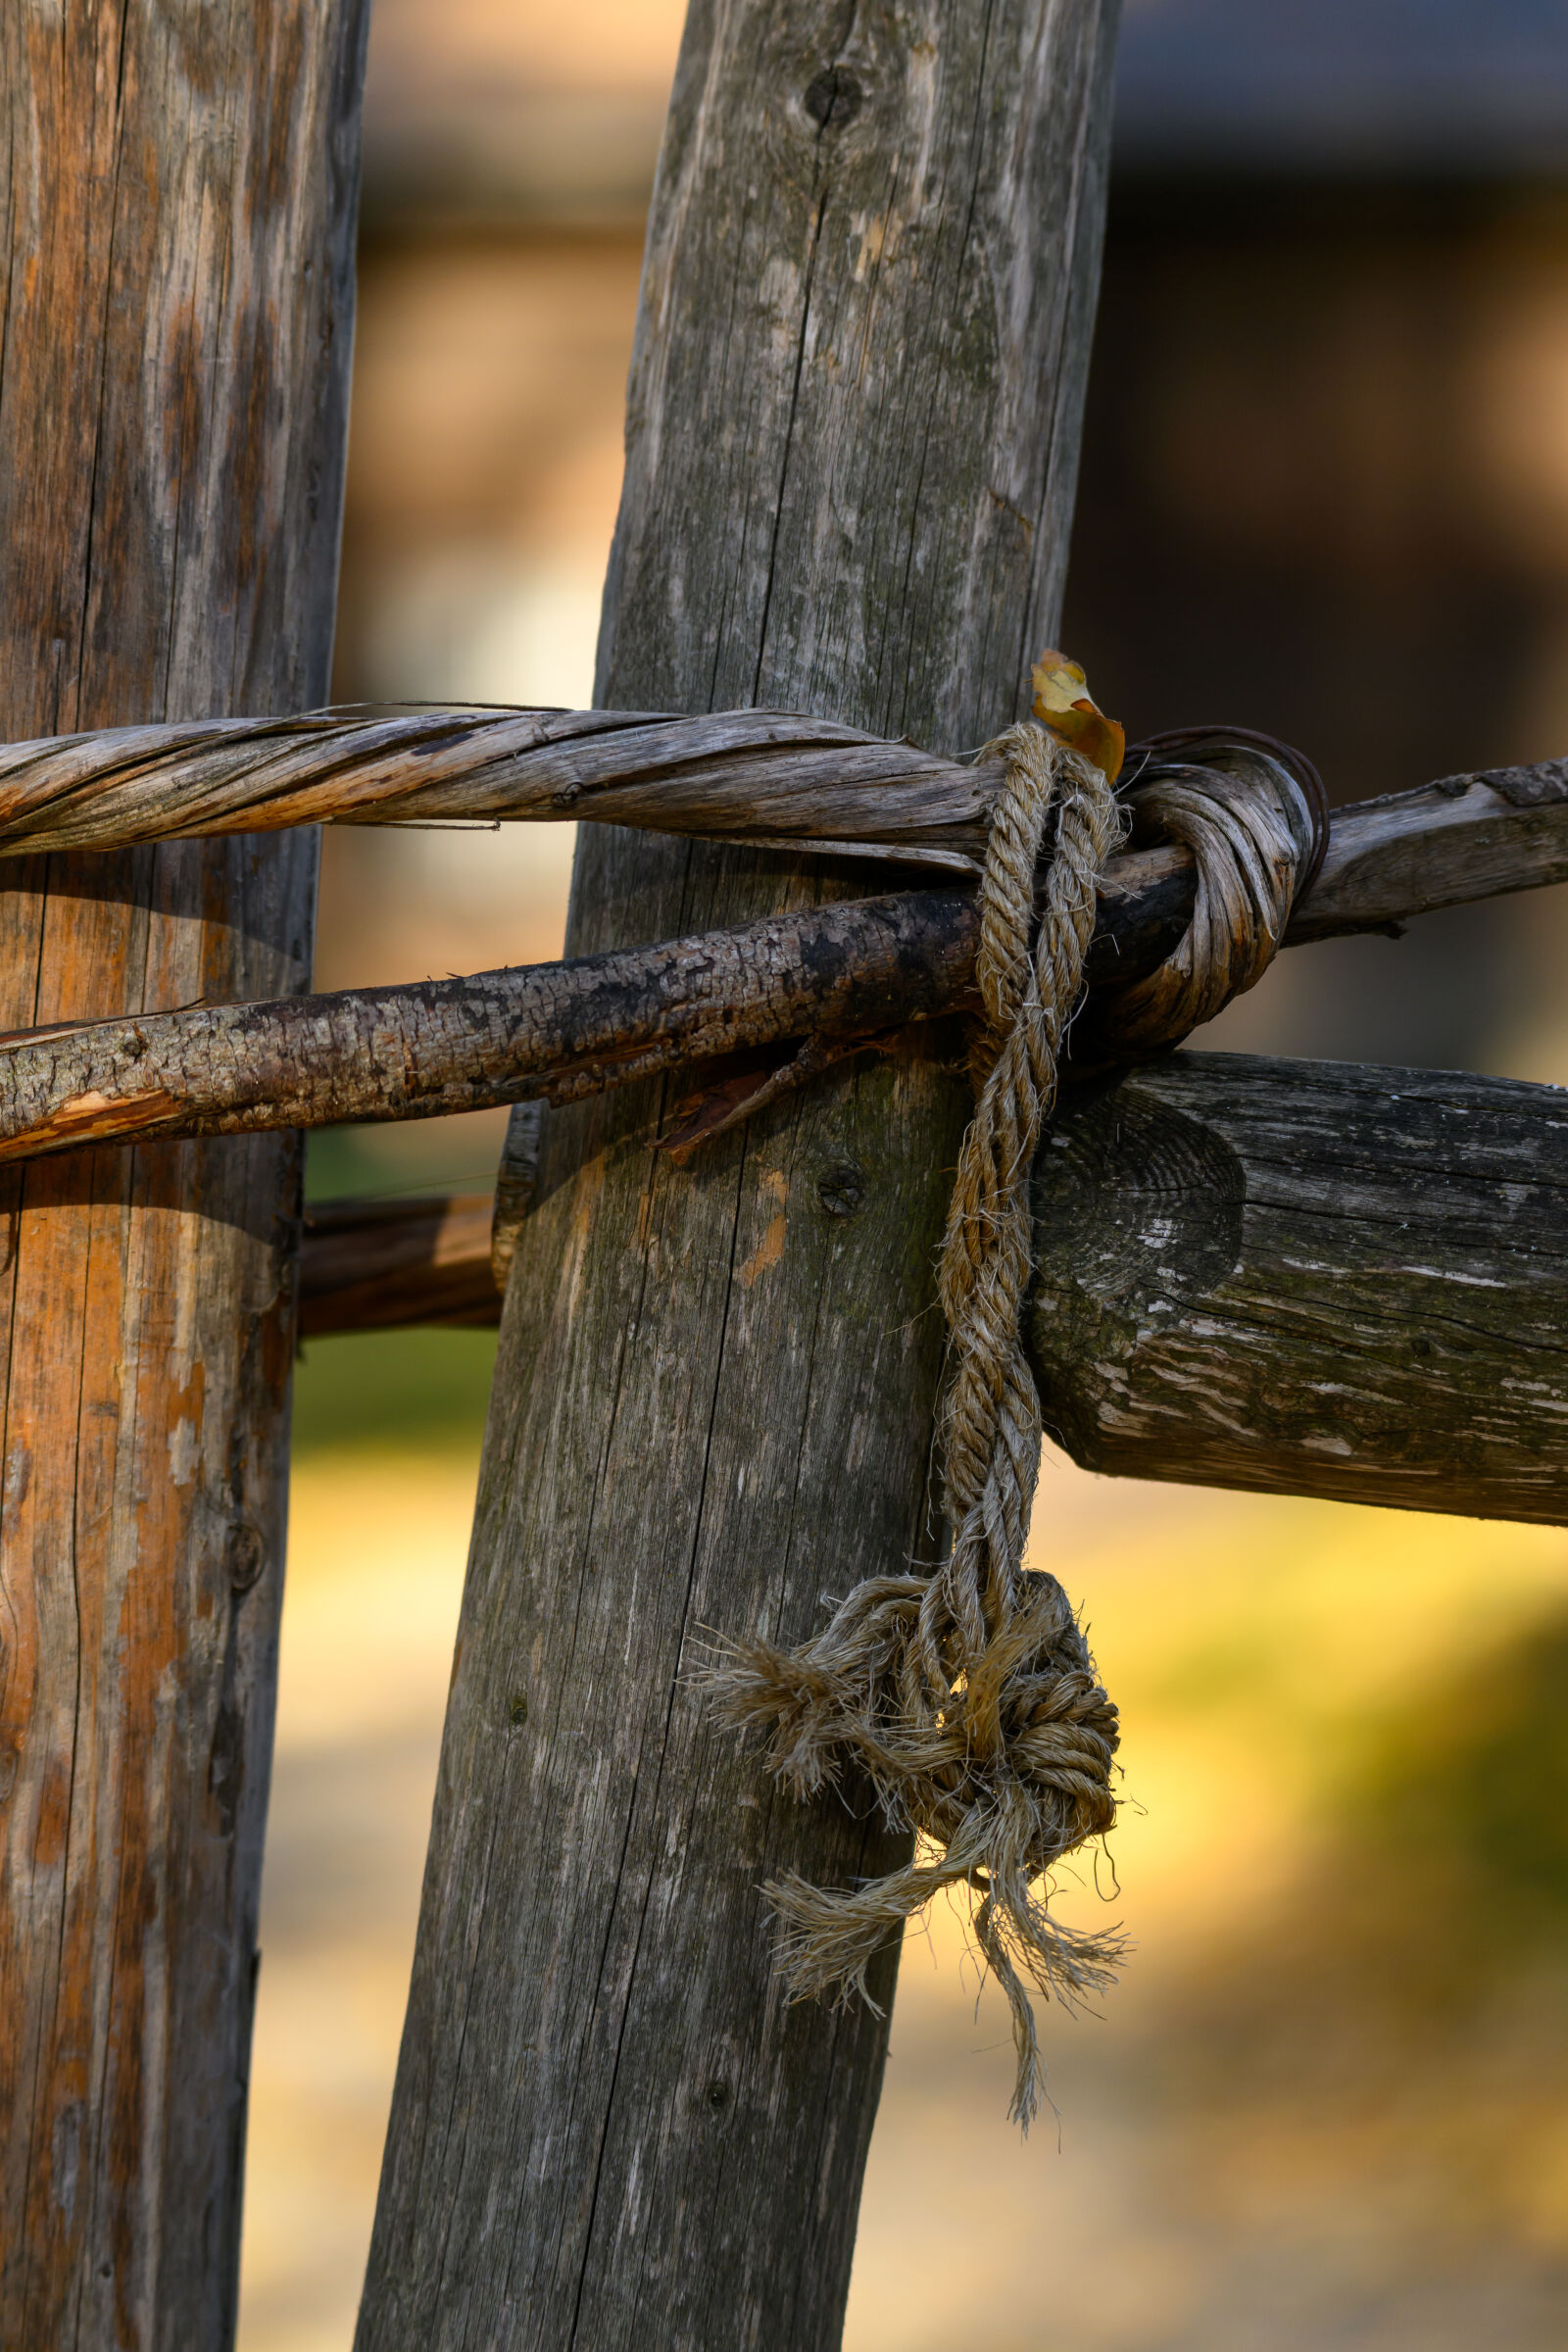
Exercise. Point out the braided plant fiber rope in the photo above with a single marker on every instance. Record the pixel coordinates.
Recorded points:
(1256, 829)
(969, 1696)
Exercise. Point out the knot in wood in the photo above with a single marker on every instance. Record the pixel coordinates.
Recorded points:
(833, 98)
(841, 1188)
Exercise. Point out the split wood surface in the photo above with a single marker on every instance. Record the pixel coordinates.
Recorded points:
(756, 776)
(177, 233)
(561, 1031)
(851, 452)
(1312, 1278)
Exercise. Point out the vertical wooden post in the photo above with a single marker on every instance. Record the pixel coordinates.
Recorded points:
(853, 430)
(177, 219)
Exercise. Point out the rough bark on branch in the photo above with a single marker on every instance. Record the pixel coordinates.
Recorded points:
(556, 1031)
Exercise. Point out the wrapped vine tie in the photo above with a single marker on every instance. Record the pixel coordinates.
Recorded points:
(969, 1696)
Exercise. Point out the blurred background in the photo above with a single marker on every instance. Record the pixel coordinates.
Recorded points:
(1325, 491)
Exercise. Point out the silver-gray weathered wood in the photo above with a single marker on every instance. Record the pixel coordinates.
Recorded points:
(176, 221)
(1313, 1278)
(747, 775)
(765, 778)
(853, 430)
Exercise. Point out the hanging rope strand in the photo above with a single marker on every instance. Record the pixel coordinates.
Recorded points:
(969, 1697)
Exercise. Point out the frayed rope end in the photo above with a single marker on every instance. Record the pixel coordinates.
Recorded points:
(830, 1939)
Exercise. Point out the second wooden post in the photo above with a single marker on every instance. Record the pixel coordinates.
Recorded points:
(176, 224)
(852, 432)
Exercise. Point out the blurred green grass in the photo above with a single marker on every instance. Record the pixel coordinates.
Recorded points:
(427, 1155)
(1472, 1778)
(402, 1391)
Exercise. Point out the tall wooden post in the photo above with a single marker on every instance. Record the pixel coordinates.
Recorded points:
(177, 219)
(853, 431)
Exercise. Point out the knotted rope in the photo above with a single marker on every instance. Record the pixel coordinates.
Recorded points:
(969, 1696)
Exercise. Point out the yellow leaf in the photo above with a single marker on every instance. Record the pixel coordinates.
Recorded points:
(1064, 710)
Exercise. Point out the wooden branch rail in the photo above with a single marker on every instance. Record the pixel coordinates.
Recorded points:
(1466, 836)
(761, 778)
(1306, 1278)
(555, 1031)
(373, 1265)
(1310, 1278)
(559, 1032)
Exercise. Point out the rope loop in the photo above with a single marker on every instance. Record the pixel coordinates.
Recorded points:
(1254, 813)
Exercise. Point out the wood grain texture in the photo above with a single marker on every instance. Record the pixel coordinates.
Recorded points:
(1442, 845)
(759, 776)
(763, 778)
(1312, 1278)
(852, 435)
(560, 1031)
(176, 215)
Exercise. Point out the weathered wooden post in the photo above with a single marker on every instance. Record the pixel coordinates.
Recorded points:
(177, 220)
(853, 430)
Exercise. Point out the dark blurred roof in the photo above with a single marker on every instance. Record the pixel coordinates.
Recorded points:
(1399, 87)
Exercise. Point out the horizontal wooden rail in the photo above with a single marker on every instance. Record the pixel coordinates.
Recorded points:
(758, 776)
(373, 1265)
(1310, 1278)
(555, 1032)
(1466, 836)
(1304, 1277)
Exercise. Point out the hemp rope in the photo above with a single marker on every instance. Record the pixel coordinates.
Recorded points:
(969, 1696)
